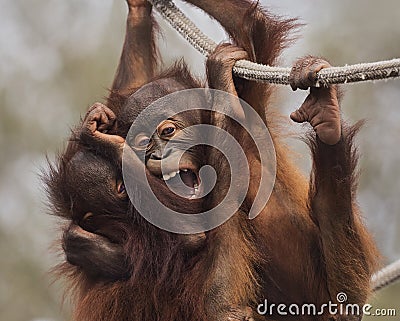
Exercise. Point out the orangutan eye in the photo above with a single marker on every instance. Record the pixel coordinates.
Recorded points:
(121, 188)
(166, 129)
(142, 142)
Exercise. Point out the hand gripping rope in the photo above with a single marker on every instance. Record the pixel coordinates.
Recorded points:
(276, 75)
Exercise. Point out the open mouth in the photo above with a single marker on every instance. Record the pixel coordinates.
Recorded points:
(191, 182)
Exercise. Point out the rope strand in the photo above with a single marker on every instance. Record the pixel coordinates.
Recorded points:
(388, 275)
(276, 75)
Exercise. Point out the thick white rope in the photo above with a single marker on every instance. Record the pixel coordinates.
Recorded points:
(276, 75)
(386, 276)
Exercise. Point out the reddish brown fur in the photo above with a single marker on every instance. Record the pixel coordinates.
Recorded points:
(306, 246)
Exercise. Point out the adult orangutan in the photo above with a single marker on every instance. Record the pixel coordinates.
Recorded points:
(307, 245)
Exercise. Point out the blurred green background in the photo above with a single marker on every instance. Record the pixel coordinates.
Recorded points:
(58, 57)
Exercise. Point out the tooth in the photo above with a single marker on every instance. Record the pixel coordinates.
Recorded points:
(196, 186)
(185, 170)
(172, 174)
(166, 177)
(193, 196)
